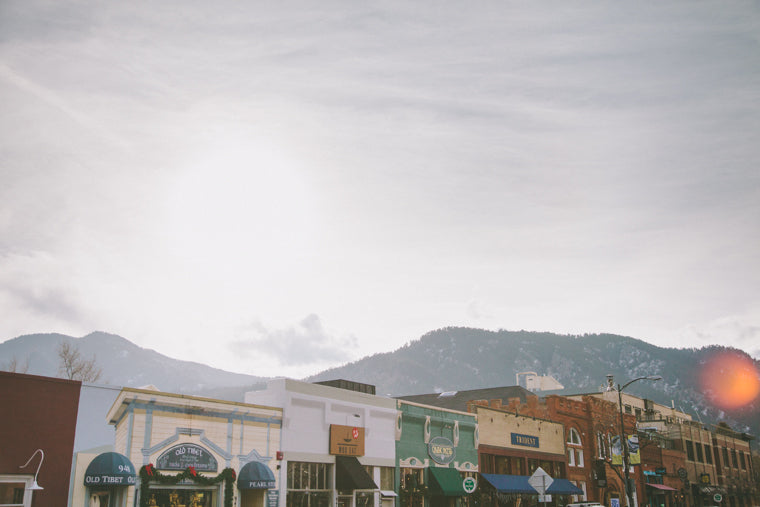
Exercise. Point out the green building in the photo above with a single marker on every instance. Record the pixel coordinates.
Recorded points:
(436, 456)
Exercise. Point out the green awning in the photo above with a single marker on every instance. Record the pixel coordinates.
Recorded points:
(351, 474)
(110, 469)
(446, 481)
(256, 475)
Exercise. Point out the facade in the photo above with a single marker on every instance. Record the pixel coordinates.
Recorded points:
(338, 443)
(437, 456)
(172, 449)
(36, 438)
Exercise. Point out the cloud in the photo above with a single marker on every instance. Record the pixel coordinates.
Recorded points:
(303, 344)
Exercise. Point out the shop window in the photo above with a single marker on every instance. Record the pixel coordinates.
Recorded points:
(387, 482)
(412, 487)
(309, 484)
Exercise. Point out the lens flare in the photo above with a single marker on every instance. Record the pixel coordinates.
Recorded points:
(730, 380)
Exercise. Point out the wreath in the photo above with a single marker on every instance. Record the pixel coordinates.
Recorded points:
(148, 474)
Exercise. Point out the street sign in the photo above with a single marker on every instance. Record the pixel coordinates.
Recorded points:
(544, 498)
(540, 481)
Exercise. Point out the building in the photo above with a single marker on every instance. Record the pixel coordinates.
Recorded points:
(37, 431)
(437, 455)
(172, 449)
(338, 444)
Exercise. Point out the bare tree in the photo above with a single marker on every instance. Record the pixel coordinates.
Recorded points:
(14, 366)
(73, 366)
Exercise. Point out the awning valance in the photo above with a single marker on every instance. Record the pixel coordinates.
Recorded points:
(110, 469)
(446, 481)
(510, 483)
(662, 487)
(351, 474)
(256, 475)
(563, 487)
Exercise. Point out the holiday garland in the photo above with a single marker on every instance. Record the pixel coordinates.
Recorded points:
(148, 474)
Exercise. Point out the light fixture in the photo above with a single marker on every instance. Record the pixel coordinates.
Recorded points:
(35, 486)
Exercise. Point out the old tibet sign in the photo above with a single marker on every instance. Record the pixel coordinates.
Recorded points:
(182, 456)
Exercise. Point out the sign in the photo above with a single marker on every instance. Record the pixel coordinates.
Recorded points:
(182, 456)
(540, 481)
(682, 473)
(614, 502)
(634, 457)
(704, 478)
(273, 498)
(544, 498)
(109, 480)
(661, 471)
(718, 497)
(469, 484)
(441, 449)
(617, 451)
(346, 440)
(525, 440)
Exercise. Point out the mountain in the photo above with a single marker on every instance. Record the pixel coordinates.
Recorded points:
(453, 359)
(447, 359)
(123, 363)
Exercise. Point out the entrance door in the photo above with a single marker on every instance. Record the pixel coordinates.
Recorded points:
(345, 500)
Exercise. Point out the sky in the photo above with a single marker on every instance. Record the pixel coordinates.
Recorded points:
(276, 188)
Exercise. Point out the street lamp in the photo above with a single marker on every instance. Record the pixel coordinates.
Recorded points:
(623, 441)
(34, 486)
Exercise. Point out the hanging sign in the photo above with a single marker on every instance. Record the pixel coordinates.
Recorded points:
(442, 450)
(182, 456)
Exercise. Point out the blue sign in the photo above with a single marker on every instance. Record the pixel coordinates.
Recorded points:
(525, 440)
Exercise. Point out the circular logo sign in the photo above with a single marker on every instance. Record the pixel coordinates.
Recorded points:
(682, 473)
(355, 433)
(469, 484)
(441, 449)
(718, 497)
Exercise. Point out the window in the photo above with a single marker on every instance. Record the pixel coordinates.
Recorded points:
(571, 457)
(700, 458)
(725, 457)
(708, 454)
(13, 491)
(579, 461)
(733, 458)
(628, 409)
(744, 463)
(689, 450)
(309, 484)
(574, 437)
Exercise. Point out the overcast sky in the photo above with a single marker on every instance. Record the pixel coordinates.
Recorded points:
(278, 187)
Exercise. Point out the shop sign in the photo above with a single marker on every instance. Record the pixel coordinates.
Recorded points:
(469, 484)
(441, 449)
(661, 471)
(704, 478)
(346, 440)
(525, 440)
(273, 498)
(182, 456)
(109, 480)
(718, 497)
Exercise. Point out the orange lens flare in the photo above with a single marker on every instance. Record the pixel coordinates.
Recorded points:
(729, 380)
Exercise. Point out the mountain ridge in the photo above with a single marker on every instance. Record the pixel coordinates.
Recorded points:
(446, 359)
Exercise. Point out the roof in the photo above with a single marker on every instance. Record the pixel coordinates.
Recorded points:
(457, 400)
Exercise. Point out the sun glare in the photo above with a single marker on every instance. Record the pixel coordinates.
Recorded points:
(730, 380)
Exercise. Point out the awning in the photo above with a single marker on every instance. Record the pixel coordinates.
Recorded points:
(662, 487)
(387, 493)
(446, 481)
(510, 483)
(110, 469)
(351, 474)
(256, 475)
(563, 487)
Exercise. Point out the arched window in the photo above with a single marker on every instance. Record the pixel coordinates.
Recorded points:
(574, 437)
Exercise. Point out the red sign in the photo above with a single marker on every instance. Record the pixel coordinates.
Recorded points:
(355, 433)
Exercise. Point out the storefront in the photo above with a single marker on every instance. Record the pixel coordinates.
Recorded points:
(512, 448)
(174, 450)
(337, 443)
(437, 456)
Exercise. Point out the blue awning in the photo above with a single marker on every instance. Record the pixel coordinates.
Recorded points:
(563, 487)
(256, 475)
(110, 469)
(510, 483)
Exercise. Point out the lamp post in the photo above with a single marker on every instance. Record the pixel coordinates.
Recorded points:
(34, 486)
(623, 441)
